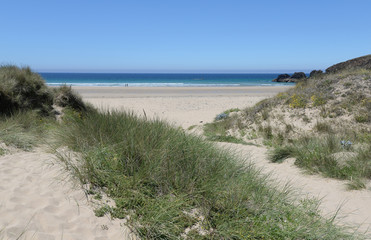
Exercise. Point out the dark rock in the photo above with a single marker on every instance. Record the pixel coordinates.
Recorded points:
(282, 78)
(316, 73)
(286, 78)
(355, 63)
(298, 75)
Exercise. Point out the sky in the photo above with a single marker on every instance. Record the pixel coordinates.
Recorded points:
(184, 36)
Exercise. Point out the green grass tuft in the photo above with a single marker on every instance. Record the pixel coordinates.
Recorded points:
(25, 130)
(280, 153)
(356, 184)
(326, 155)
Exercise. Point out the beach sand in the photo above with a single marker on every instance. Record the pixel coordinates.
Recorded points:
(36, 200)
(182, 106)
(39, 201)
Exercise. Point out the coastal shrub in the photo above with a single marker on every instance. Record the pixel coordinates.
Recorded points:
(161, 177)
(297, 101)
(64, 96)
(22, 89)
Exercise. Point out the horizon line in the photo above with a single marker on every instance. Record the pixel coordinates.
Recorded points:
(206, 72)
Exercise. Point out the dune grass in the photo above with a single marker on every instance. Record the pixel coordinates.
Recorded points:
(327, 155)
(25, 129)
(22, 89)
(159, 176)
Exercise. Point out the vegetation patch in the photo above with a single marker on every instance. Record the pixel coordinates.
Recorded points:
(22, 89)
(232, 110)
(2, 151)
(326, 106)
(65, 97)
(362, 118)
(330, 156)
(158, 174)
(297, 101)
(317, 100)
(24, 130)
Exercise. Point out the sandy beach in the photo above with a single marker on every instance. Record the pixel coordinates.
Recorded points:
(183, 106)
(34, 200)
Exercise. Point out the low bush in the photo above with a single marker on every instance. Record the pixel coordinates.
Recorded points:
(22, 89)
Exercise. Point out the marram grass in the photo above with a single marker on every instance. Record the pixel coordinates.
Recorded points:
(158, 175)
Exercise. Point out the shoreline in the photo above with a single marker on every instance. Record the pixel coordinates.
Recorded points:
(139, 92)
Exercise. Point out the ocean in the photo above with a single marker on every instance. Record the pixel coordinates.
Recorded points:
(160, 80)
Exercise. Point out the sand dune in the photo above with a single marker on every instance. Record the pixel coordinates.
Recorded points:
(38, 200)
(184, 110)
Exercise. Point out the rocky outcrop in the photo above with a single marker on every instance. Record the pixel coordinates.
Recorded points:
(281, 78)
(353, 64)
(298, 75)
(294, 78)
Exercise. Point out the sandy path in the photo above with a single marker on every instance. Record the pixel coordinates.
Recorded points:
(36, 199)
(355, 206)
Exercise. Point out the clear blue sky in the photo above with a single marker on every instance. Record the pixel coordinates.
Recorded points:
(183, 36)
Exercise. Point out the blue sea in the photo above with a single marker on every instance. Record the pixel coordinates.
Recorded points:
(160, 80)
